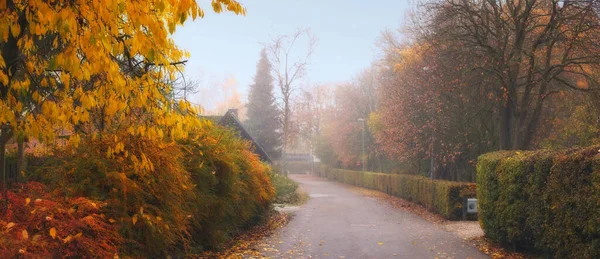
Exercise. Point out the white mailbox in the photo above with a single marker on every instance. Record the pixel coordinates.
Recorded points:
(471, 206)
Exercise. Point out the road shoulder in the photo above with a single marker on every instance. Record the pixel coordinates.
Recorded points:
(469, 231)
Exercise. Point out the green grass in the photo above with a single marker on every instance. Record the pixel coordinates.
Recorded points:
(286, 189)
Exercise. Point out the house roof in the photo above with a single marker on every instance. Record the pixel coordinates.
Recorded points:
(213, 118)
(230, 120)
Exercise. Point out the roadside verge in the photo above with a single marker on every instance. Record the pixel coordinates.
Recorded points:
(470, 231)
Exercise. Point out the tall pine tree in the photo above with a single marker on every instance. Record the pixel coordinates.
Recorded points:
(263, 115)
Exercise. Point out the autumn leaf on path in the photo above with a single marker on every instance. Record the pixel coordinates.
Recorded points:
(53, 233)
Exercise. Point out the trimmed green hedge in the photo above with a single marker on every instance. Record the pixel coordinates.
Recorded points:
(443, 197)
(545, 201)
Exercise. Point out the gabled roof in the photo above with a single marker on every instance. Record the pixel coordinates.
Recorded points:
(213, 118)
(230, 120)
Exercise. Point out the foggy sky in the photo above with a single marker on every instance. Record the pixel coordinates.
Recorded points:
(224, 48)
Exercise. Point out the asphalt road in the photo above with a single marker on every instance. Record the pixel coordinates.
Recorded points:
(337, 222)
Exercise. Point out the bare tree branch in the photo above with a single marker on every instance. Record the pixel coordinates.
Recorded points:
(289, 64)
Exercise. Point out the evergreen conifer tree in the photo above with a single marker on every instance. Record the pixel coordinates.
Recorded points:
(263, 115)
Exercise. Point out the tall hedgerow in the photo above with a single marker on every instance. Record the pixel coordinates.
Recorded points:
(545, 201)
(149, 193)
(231, 181)
(166, 197)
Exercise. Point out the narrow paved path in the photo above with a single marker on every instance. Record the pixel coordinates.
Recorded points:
(339, 223)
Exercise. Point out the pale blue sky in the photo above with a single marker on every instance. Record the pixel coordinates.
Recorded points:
(225, 47)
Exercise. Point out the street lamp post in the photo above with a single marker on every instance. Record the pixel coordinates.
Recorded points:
(362, 137)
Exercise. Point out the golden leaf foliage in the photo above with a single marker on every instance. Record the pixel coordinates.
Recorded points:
(146, 191)
(232, 183)
(67, 63)
(165, 196)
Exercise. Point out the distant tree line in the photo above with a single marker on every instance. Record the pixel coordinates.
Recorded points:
(283, 62)
(468, 77)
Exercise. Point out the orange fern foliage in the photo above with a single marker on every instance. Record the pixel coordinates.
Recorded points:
(39, 224)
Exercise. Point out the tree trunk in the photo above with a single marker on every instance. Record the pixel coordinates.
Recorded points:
(517, 133)
(286, 122)
(506, 131)
(21, 164)
(5, 135)
(4, 178)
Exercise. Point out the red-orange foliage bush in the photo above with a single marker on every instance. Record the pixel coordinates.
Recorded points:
(39, 224)
(165, 197)
(146, 188)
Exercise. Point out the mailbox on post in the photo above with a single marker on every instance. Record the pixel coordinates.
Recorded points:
(471, 206)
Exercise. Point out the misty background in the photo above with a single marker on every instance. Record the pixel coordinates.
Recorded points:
(224, 48)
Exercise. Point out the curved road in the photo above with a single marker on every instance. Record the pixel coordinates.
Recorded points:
(339, 223)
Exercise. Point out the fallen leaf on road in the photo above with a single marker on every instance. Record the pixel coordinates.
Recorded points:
(380, 243)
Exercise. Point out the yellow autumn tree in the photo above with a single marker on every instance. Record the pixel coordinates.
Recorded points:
(69, 65)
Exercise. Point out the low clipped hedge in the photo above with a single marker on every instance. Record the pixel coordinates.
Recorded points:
(542, 201)
(443, 197)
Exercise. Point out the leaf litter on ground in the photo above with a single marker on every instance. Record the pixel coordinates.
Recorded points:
(245, 244)
(470, 231)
